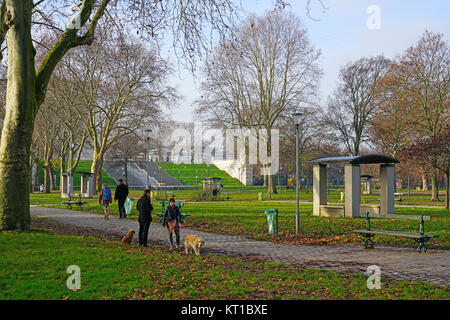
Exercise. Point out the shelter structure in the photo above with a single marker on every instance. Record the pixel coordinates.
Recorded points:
(212, 185)
(366, 180)
(67, 185)
(352, 183)
(87, 185)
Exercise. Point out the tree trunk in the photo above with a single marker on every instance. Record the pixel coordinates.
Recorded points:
(61, 171)
(447, 189)
(126, 172)
(47, 179)
(21, 106)
(96, 169)
(424, 182)
(265, 177)
(434, 184)
(270, 177)
(307, 185)
(36, 178)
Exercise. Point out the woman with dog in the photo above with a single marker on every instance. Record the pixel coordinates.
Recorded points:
(145, 207)
(172, 219)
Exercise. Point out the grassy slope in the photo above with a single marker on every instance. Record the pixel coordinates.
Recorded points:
(186, 173)
(34, 266)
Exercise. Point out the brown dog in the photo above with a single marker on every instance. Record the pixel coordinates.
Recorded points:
(128, 237)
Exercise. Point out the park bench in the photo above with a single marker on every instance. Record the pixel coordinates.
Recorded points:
(164, 204)
(419, 237)
(398, 196)
(77, 203)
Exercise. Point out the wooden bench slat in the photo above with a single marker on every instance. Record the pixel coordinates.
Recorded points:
(167, 203)
(395, 216)
(397, 233)
(420, 237)
(160, 214)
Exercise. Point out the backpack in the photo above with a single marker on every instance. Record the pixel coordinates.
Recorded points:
(106, 194)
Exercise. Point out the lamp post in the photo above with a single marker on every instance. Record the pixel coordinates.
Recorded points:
(148, 154)
(297, 117)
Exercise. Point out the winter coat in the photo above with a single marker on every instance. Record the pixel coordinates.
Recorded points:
(121, 192)
(144, 207)
(170, 214)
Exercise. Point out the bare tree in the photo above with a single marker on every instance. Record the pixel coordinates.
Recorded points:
(22, 25)
(121, 87)
(313, 140)
(267, 69)
(389, 129)
(353, 104)
(72, 133)
(423, 75)
(126, 149)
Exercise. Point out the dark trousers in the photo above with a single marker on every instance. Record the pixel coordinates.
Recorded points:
(121, 203)
(143, 232)
(177, 235)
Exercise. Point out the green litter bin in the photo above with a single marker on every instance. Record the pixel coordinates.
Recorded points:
(271, 214)
(129, 205)
(260, 196)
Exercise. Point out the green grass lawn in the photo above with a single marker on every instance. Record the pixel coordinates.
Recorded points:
(250, 193)
(34, 266)
(247, 218)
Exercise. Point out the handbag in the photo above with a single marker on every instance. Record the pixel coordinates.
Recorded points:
(173, 224)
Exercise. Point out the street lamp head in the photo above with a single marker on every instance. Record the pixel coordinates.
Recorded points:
(148, 132)
(297, 117)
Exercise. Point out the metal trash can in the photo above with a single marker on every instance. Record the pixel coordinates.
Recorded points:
(271, 214)
(129, 205)
(260, 196)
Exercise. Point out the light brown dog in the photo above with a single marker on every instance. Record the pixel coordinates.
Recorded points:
(128, 237)
(193, 241)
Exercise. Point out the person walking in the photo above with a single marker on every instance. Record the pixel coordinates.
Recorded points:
(105, 198)
(172, 220)
(120, 196)
(144, 207)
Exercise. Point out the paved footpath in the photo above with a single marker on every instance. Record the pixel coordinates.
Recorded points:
(396, 263)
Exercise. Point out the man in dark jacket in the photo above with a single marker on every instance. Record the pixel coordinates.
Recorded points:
(172, 219)
(121, 195)
(145, 207)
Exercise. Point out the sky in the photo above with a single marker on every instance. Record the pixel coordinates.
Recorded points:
(345, 31)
